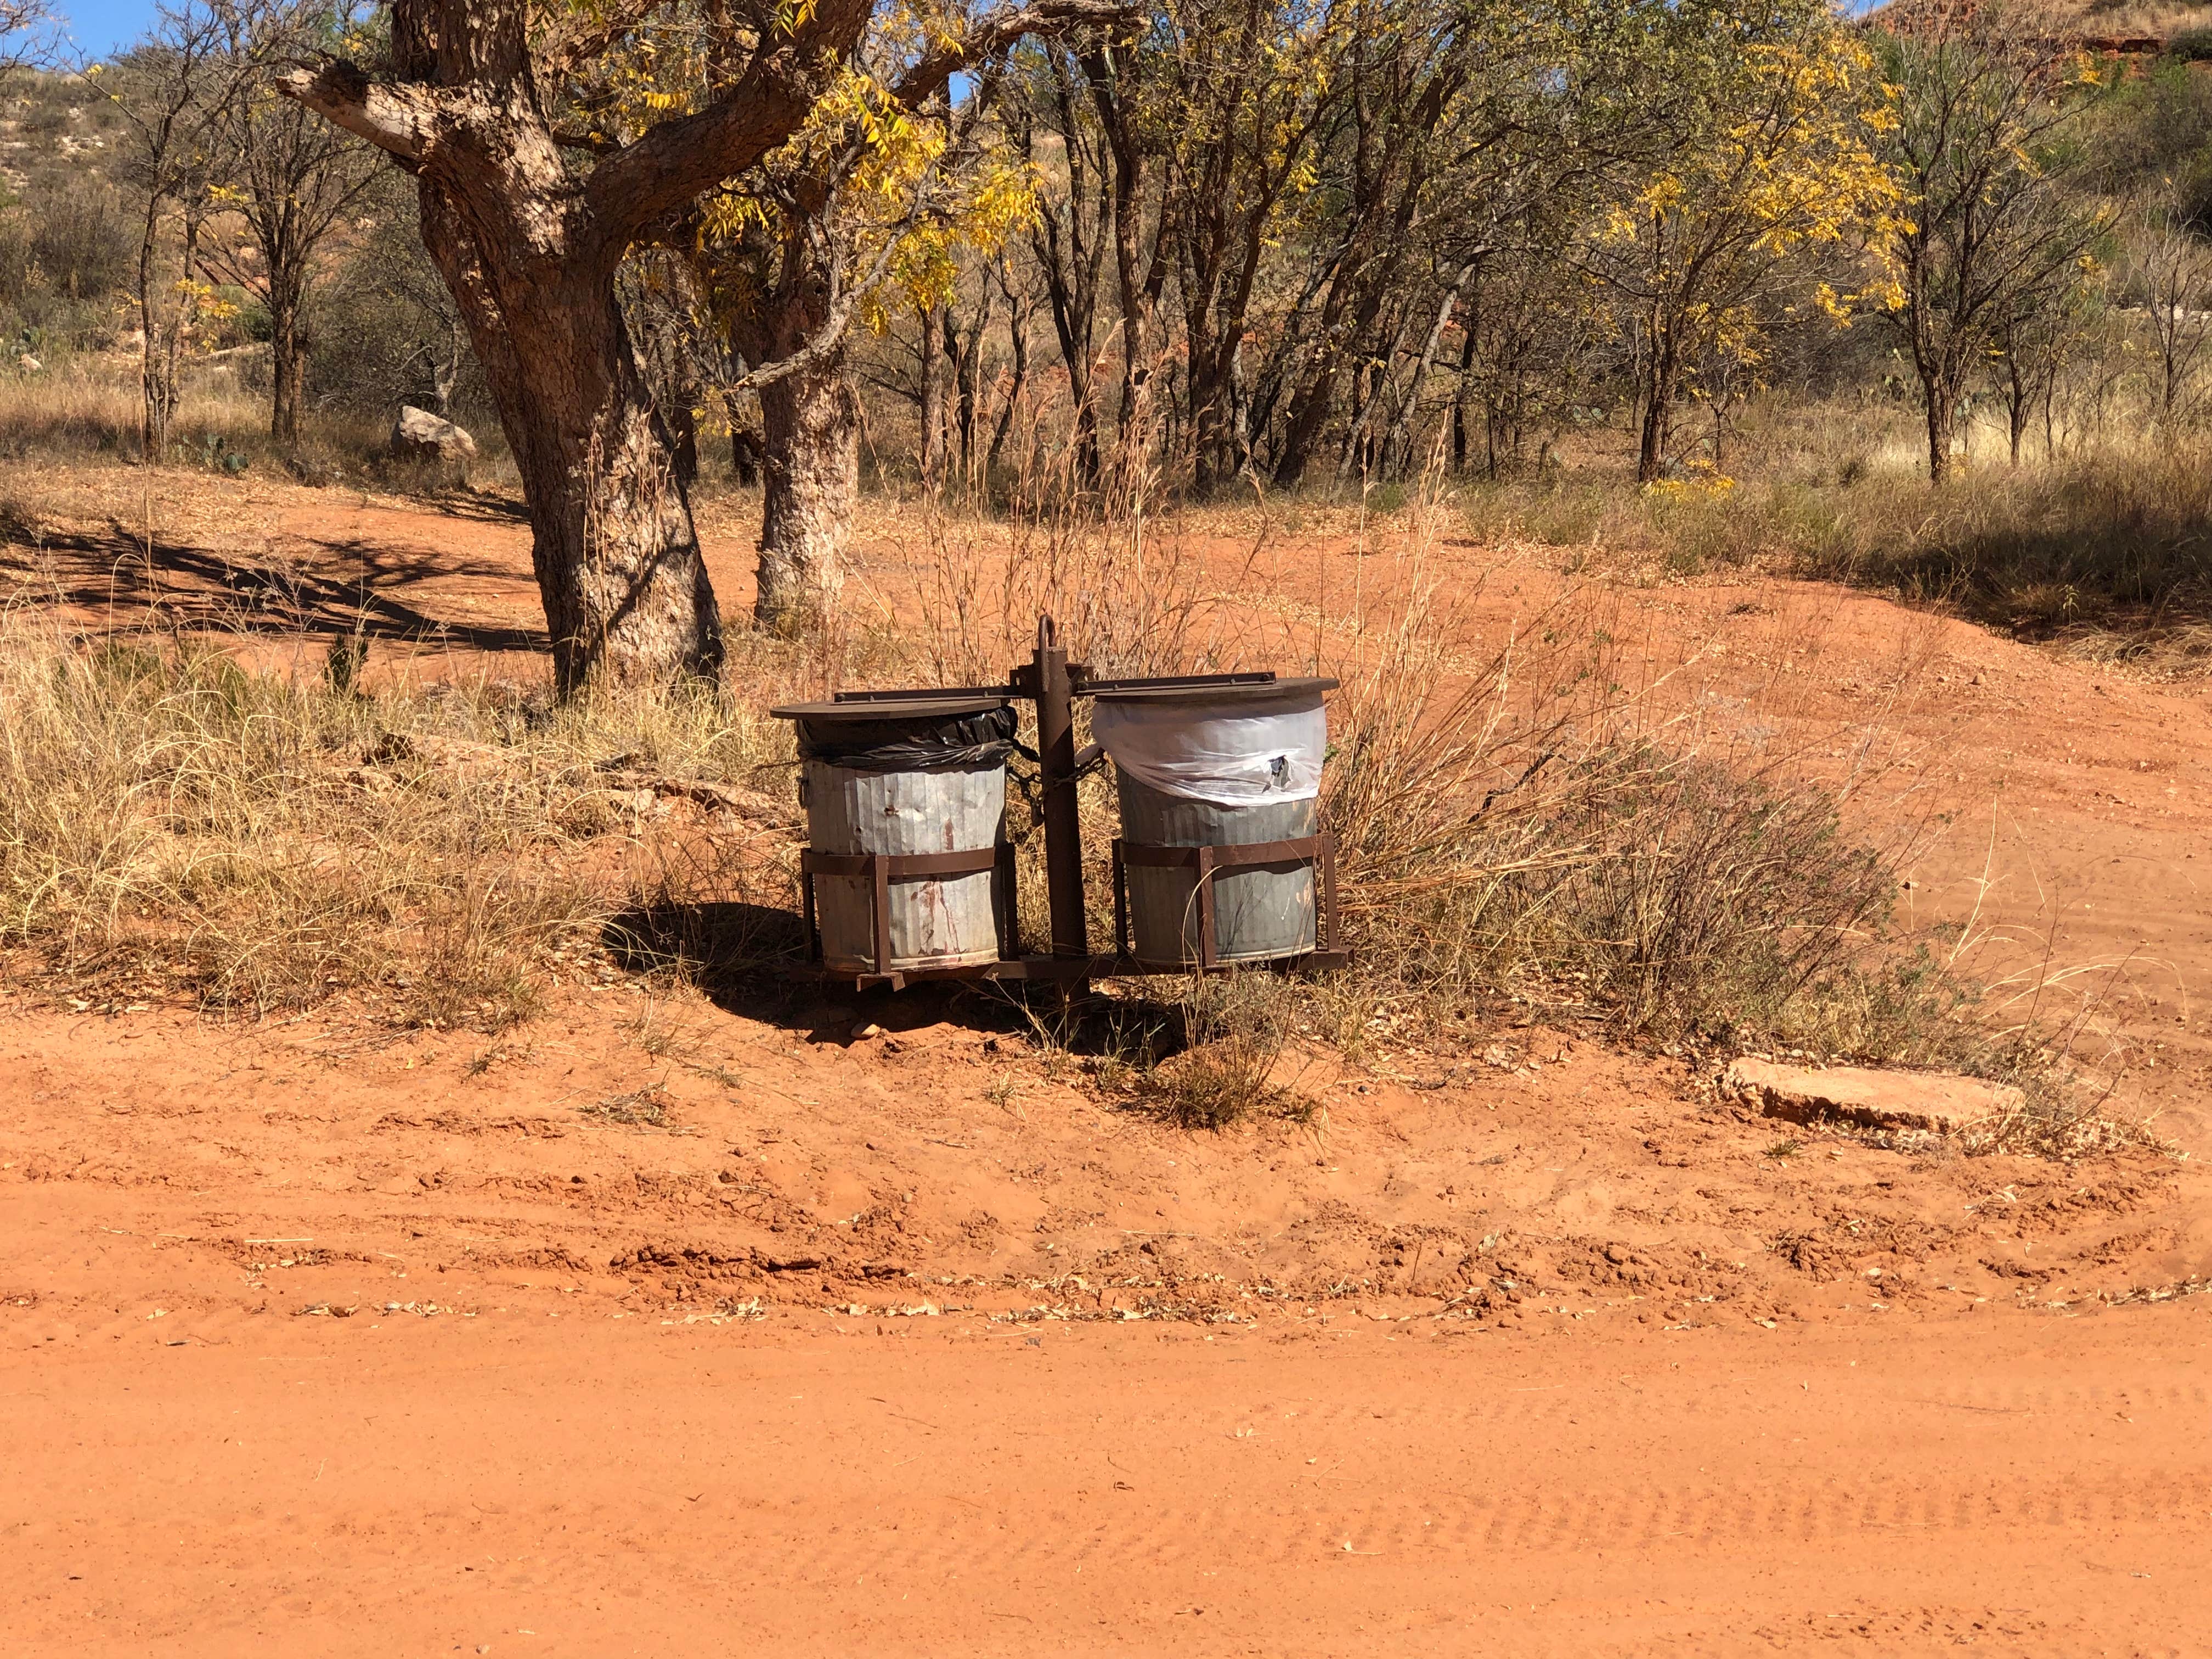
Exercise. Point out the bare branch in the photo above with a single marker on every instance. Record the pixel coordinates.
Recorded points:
(996, 31)
(398, 120)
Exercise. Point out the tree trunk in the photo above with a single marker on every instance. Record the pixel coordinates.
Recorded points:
(745, 446)
(967, 359)
(932, 401)
(626, 595)
(813, 466)
(1017, 338)
(288, 366)
(1943, 426)
(154, 408)
(1658, 415)
(1459, 398)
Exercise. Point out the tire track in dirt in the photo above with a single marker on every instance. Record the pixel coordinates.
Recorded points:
(600, 1483)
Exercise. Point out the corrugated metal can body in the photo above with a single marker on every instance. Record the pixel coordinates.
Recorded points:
(936, 921)
(1258, 914)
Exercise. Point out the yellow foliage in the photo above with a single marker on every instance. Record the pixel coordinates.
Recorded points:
(904, 201)
(1790, 163)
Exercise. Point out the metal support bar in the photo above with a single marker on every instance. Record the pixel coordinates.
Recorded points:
(1090, 688)
(1063, 827)
(927, 693)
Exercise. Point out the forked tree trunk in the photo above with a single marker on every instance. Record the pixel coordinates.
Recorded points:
(530, 247)
(812, 476)
(530, 244)
(1658, 416)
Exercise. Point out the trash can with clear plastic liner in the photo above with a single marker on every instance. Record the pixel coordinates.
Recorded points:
(1219, 787)
(908, 868)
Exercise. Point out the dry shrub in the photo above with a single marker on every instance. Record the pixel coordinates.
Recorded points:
(1236, 1029)
(220, 426)
(2059, 1121)
(1128, 596)
(1529, 828)
(1526, 826)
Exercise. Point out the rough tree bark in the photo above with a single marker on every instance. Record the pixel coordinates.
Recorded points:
(932, 400)
(810, 447)
(1660, 392)
(812, 472)
(529, 248)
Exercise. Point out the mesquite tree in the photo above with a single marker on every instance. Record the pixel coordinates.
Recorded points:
(1994, 233)
(1774, 156)
(529, 215)
(292, 178)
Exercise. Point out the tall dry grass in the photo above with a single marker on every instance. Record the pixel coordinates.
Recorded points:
(173, 826)
(91, 409)
(2107, 553)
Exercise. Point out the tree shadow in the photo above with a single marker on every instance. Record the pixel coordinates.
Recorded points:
(190, 587)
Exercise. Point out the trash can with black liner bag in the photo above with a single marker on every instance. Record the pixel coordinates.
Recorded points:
(907, 866)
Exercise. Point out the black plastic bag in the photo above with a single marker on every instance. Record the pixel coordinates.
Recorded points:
(912, 744)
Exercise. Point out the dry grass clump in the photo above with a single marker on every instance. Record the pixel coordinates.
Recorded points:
(1681, 527)
(2113, 552)
(1525, 828)
(2058, 1121)
(641, 1109)
(1236, 1029)
(172, 826)
(2109, 553)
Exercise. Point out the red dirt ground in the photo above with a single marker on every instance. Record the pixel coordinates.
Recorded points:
(325, 1341)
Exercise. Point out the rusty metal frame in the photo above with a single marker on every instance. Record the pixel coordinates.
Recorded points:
(1318, 850)
(1052, 683)
(880, 870)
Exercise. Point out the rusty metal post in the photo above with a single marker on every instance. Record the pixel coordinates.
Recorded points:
(1063, 828)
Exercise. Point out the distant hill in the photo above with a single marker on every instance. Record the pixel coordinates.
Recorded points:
(2123, 25)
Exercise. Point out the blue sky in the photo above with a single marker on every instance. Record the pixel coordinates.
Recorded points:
(100, 25)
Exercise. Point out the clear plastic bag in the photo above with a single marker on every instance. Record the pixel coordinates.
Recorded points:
(1237, 751)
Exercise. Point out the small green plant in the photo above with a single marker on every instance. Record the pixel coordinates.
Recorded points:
(1789, 1146)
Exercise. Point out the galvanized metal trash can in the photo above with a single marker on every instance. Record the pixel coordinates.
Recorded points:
(1220, 847)
(908, 868)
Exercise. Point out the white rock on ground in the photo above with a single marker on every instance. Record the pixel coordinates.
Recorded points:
(1869, 1098)
(419, 433)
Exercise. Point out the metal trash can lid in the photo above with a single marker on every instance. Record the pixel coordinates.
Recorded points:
(890, 709)
(1253, 691)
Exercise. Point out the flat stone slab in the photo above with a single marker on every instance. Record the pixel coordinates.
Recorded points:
(1869, 1098)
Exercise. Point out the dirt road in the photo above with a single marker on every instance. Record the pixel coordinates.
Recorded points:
(2016, 1484)
(316, 1338)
